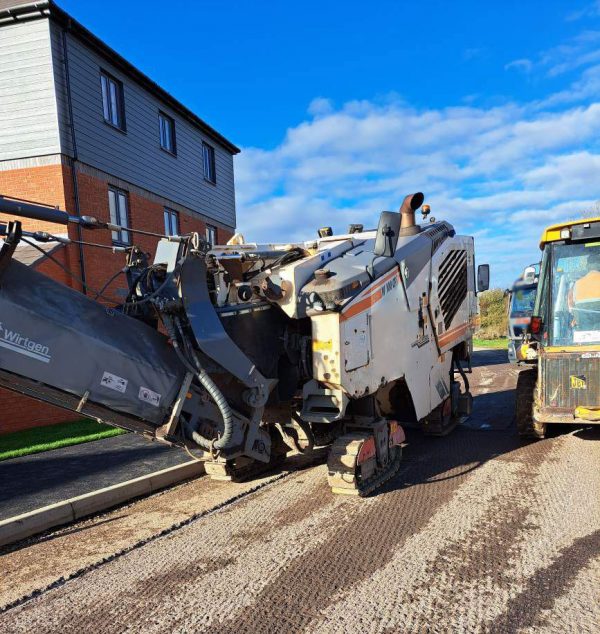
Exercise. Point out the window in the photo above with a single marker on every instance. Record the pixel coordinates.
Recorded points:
(574, 279)
(112, 101)
(208, 153)
(211, 235)
(166, 127)
(171, 222)
(119, 214)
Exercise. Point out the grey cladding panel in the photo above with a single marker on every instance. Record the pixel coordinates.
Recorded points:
(27, 101)
(136, 156)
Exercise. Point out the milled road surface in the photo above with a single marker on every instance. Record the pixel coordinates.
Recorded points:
(477, 533)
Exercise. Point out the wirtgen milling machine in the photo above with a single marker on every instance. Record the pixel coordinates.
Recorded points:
(337, 341)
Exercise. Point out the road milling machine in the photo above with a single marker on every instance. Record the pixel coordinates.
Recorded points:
(241, 352)
(563, 340)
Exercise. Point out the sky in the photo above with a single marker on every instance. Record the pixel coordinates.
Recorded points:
(341, 108)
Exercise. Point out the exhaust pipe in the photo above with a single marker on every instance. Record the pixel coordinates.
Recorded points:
(408, 226)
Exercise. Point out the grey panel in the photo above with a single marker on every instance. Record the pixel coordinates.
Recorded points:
(413, 254)
(59, 337)
(208, 329)
(27, 101)
(60, 89)
(136, 156)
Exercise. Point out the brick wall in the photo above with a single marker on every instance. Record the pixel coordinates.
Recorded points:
(52, 185)
(44, 184)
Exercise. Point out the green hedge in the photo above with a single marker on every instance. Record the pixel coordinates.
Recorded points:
(493, 306)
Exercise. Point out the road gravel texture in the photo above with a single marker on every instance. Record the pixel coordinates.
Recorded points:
(478, 532)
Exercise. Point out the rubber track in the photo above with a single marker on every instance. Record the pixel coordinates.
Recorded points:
(342, 468)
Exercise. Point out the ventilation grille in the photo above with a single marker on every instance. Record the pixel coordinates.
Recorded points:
(558, 392)
(438, 233)
(452, 284)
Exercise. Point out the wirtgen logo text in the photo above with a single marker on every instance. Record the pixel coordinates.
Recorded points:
(15, 341)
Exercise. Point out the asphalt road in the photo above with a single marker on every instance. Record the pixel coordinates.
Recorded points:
(477, 533)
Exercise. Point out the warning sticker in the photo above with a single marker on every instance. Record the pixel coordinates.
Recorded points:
(320, 346)
(441, 388)
(114, 382)
(148, 396)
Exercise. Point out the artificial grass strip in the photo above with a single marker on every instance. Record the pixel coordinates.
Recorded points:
(498, 344)
(39, 439)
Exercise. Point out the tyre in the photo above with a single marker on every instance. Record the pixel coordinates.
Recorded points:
(527, 426)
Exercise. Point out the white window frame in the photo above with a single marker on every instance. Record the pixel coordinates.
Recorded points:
(210, 167)
(166, 133)
(113, 100)
(118, 205)
(171, 219)
(211, 235)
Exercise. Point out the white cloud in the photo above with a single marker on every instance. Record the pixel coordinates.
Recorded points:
(590, 11)
(523, 64)
(320, 106)
(501, 173)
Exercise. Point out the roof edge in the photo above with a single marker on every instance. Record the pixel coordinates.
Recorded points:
(49, 9)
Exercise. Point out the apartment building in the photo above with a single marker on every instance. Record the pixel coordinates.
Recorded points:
(84, 130)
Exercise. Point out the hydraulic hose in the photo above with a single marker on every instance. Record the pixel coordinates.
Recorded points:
(221, 402)
(211, 387)
(462, 373)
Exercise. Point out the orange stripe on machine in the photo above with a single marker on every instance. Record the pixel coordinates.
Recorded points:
(453, 335)
(376, 293)
(379, 283)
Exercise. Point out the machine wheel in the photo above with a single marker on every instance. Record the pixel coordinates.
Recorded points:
(353, 466)
(527, 426)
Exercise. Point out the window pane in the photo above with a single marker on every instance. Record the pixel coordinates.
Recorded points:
(168, 144)
(167, 223)
(124, 216)
(206, 161)
(175, 223)
(575, 317)
(208, 154)
(211, 235)
(123, 220)
(163, 133)
(113, 102)
(105, 97)
(112, 205)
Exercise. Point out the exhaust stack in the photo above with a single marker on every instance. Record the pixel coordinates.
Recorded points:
(408, 226)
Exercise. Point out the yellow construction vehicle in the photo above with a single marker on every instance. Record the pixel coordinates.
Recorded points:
(563, 339)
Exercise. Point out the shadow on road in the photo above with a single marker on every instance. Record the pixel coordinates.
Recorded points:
(589, 433)
(430, 459)
(489, 357)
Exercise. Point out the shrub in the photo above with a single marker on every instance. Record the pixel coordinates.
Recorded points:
(493, 307)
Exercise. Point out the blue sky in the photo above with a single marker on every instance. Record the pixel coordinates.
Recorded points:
(342, 108)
